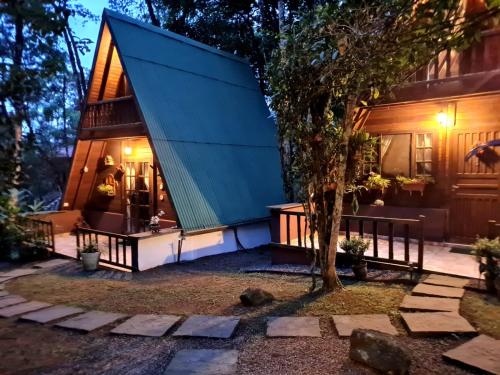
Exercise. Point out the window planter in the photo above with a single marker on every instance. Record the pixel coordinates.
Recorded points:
(414, 186)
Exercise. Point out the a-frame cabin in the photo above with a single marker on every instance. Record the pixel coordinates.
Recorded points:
(179, 127)
(172, 125)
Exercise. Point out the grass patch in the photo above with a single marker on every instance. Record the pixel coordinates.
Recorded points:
(483, 312)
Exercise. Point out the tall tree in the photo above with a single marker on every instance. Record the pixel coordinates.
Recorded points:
(336, 61)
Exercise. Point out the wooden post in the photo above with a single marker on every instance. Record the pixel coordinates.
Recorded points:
(77, 242)
(134, 244)
(420, 262)
(491, 229)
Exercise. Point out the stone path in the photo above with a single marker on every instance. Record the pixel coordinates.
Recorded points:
(454, 282)
(290, 326)
(10, 299)
(430, 304)
(21, 308)
(203, 362)
(147, 325)
(437, 291)
(91, 320)
(436, 323)
(440, 294)
(482, 352)
(52, 313)
(208, 326)
(345, 324)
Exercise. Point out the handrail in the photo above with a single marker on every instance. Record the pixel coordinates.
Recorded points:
(122, 249)
(302, 233)
(40, 230)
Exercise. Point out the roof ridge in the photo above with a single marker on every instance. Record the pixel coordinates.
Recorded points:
(169, 34)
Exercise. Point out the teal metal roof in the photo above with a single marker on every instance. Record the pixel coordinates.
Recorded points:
(208, 122)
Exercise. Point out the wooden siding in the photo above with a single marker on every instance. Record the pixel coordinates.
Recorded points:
(470, 190)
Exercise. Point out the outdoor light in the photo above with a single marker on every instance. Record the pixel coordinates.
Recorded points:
(65, 204)
(442, 119)
(127, 150)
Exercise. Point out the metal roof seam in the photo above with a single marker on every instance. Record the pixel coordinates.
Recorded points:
(191, 72)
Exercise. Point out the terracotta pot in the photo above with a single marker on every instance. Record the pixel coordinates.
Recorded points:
(90, 261)
(360, 270)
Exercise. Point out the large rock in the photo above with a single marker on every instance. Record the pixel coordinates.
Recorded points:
(379, 351)
(255, 297)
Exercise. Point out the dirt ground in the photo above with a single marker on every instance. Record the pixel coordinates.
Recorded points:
(212, 286)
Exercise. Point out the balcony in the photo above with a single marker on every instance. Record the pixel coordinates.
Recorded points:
(111, 118)
(474, 70)
(111, 112)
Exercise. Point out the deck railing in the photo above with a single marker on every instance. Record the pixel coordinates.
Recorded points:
(39, 232)
(296, 224)
(119, 111)
(116, 249)
(480, 57)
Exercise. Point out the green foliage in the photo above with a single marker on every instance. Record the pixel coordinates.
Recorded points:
(377, 182)
(12, 233)
(402, 180)
(105, 189)
(89, 248)
(355, 248)
(484, 247)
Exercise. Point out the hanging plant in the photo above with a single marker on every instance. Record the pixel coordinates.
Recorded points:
(107, 190)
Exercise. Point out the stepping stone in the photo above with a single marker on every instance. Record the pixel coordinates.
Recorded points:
(90, 321)
(430, 303)
(3, 293)
(482, 352)
(18, 272)
(453, 282)
(345, 324)
(22, 308)
(52, 263)
(437, 291)
(147, 325)
(203, 362)
(11, 300)
(52, 313)
(290, 326)
(429, 323)
(208, 326)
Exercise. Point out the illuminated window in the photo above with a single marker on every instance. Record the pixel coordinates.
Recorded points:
(423, 154)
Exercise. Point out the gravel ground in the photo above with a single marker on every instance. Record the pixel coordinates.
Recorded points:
(37, 349)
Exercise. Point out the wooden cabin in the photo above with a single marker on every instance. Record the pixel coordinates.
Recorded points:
(449, 108)
(172, 125)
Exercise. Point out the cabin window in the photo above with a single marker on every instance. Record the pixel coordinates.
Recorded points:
(423, 154)
(395, 154)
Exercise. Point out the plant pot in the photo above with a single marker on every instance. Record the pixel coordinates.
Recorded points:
(414, 186)
(90, 261)
(155, 228)
(360, 270)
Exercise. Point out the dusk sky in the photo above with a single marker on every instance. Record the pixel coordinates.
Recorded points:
(90, 29)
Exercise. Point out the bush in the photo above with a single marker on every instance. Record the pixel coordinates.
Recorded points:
(355, 248)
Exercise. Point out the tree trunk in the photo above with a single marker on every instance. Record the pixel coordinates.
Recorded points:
(152, 15)
(79, 88)
(330, 277)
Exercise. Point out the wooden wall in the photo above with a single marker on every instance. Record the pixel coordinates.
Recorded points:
(470, 190)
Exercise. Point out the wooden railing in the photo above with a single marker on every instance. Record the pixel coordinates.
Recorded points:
(39, 232)
(296, 227)
(112, 112)
(493, 229)
(117, 250)
(482, 56)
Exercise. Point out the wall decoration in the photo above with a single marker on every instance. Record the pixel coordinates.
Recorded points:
(485, 152)
(108, 160)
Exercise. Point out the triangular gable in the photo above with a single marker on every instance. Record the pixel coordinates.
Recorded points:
(207, 121)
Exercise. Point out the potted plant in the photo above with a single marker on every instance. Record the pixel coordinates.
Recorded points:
(488, 255)
(414, 184)
(107, 190)
(378, 183)
(90, 255)
(355, 249)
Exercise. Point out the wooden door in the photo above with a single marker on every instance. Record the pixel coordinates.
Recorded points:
(138, 196)
(474, 184)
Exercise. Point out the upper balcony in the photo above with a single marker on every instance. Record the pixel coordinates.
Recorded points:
(111, 118)
(472, 71)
